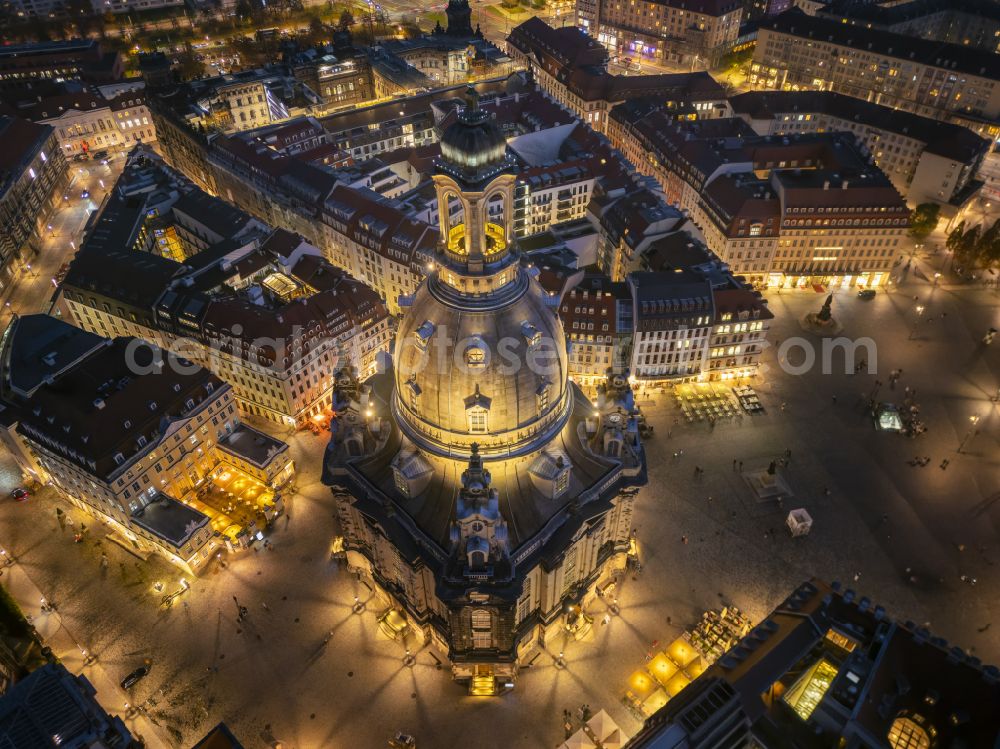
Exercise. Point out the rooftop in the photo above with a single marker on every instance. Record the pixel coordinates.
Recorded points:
(942, 138)
(874, 672)
(249, 444)
(51, 707)
(169, 519)
(955, 57)
(37, 349)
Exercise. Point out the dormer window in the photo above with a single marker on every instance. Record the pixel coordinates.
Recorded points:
(412, 392)
(530, 333)
(423, 334)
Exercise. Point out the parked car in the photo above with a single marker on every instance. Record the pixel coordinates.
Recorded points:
(99, 155)
(866, 294)
(135, 677)
(85, 194)
(20, 494)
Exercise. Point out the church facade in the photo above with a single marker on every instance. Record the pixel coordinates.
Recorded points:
(480, 493)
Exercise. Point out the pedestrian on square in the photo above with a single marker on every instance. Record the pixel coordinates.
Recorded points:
(741, 465)
(684, 540)
(734, 464)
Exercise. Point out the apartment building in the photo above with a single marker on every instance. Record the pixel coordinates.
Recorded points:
(799, 52)
(32, 177)
(374, 241)
(745, 192)
(188, 115)
(260, 307)
(974, 23)
(250, 104)
(30, 66)
(689, 325)
(597, 318)
(673, 318)
(83, 122)
(680, 32)
(740, 327)
(132, 117)
(119, 436)
(927, 160)
(571, 67)
(628, 224)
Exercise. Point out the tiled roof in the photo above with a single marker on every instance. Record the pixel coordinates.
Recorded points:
(942, 138)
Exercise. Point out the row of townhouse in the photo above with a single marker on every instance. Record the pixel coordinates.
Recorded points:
(664, 327)
(795, 51)
(927, 160)
(786, 210)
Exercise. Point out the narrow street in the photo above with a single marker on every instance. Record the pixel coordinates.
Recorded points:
(32, 291)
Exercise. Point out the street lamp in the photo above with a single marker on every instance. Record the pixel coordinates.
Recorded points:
(973, 420)
(920, 311)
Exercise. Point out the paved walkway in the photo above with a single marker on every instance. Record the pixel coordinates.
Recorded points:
(309, 672)
(55, 633)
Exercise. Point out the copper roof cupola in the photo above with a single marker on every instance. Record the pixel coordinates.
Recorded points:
(473, 148)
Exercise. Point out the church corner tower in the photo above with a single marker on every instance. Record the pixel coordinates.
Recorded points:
(459, 15)
(472, 489)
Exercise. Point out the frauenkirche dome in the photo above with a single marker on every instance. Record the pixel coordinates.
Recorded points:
(476, 467)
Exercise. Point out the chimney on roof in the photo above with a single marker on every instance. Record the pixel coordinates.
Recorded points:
(826, 184)
(843, 185)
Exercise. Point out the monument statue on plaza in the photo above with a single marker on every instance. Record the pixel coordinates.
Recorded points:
(824, 313)
(772, 468)
(822, 323)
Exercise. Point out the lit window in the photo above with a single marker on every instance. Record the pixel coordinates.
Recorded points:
(477, 420)
(908, 734)
(475, 356)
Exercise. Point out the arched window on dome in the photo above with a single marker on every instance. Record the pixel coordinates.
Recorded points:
(543, 394)
(477, 416)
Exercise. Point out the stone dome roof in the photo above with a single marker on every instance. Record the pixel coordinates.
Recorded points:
(473, 148)
(507, 361)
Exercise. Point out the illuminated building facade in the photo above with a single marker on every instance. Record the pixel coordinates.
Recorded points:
(476, 486)
(830, 668)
